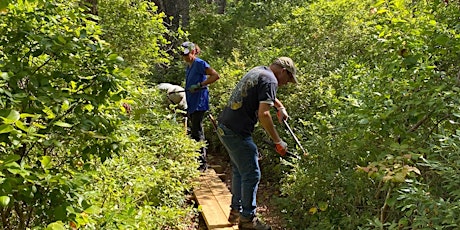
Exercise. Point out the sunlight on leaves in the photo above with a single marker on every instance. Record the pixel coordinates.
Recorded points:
(4, 201)
(62, 124)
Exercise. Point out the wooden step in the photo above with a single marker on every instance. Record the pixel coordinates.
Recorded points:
(214, 198)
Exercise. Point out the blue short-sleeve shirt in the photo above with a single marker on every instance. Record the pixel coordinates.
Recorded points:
(194, 74)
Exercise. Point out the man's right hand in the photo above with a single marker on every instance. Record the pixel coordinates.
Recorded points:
(281, 148)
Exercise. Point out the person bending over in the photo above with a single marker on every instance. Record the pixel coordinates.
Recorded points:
(250, 103)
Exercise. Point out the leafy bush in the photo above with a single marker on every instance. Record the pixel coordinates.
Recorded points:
(122, 19)
(84, 144)
(59, 92)
(379, 110)
(145, 187)
(377, 107)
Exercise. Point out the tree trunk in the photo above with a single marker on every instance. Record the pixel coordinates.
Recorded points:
(178, 9)
(221, 4)
(93, 8)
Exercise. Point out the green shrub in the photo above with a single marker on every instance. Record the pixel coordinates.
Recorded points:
(59, 92)
(377, 106)
(145, 187)
(71, 154)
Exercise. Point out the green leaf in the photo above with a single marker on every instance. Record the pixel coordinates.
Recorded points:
(113, 57)
(60, 212)
(442, 39)
(62, 39)
(12, 117)
(4, 75)
(322, 206)
(46, 160)
(6, 128)
(4, 201)
(21, 126)
(399, 177)
(126, 72)
(49, 112)
(56, 226)
(65, 105)
(115, 97)
(82, 33)
(363, 121)
(12, 165)
(24, 115)
(62, 124)
(40, 126)
(19, 171)
(12, 158)
(93, 210)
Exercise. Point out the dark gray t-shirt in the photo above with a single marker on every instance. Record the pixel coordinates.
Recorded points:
(259, 85)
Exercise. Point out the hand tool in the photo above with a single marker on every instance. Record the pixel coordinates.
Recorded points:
(305, 153)
(186, 90)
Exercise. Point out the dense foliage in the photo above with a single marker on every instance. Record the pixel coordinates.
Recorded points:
(84, 142)
(377, 107)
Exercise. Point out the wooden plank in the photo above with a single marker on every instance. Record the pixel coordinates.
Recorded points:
(220, 191)
(214, 198)
(212, 213)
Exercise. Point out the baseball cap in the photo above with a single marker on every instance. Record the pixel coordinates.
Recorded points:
(288, 64)
(187, 47)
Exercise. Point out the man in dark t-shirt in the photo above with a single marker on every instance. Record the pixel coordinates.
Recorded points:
(250, 102)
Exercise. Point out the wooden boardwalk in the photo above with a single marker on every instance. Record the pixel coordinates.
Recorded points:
(214, 198)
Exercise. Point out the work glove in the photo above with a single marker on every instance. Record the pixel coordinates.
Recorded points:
(282, 114)
(195, 88)
(281, 148)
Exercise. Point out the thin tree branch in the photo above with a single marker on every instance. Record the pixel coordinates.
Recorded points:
(419, 123)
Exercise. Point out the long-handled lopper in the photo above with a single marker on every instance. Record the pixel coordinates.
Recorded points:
(305, 153)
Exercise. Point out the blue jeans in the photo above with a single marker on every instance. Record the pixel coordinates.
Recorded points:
(245, 168)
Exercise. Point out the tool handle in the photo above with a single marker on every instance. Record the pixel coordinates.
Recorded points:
(290, 154)
(186, 90)
(305, 153)
(213, 121)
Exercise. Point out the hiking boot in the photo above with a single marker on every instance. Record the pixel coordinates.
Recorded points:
(252, 223)
(234, 216)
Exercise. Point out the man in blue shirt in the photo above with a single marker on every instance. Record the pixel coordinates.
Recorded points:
(249, 103)
(198, 75)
